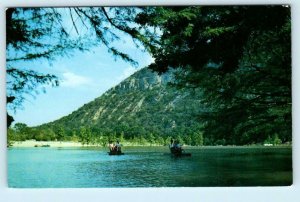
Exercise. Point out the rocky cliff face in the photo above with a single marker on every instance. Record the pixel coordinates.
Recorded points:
(142, 80)
(141, 104)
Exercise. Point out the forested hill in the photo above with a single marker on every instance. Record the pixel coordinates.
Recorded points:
(142, 105)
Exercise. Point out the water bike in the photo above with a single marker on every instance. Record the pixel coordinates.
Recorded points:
(179, 152)
(113, 152)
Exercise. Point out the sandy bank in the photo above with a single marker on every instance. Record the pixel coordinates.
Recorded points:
(33, 143)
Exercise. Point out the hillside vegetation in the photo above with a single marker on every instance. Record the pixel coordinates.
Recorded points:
(145, 107)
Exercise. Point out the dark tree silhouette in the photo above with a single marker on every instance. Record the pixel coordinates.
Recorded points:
(239, 58)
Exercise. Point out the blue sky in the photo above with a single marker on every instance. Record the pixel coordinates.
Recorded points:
(83, 77)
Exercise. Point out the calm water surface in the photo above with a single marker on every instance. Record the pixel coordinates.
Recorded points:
(149, 167)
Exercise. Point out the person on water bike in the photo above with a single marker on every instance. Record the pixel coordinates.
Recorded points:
(111, 146)
(176, 147)
(118, 146)
(171, 144)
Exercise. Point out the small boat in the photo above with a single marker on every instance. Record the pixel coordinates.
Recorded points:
(115, 153)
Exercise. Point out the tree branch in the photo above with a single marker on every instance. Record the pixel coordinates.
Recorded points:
(73, 21)
(80, 17)
(128, 31)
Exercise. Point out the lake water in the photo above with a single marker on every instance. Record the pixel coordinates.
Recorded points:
(149, 167)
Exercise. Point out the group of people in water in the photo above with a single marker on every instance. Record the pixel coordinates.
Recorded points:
(114, 147)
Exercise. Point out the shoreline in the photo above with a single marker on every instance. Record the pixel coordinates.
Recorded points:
(34, 143)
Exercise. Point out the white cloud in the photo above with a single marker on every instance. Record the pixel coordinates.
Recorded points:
(73, 80)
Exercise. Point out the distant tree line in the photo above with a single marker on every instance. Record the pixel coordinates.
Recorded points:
(86, 135)
(90, 136)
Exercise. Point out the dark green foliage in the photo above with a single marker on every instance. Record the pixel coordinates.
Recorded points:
(239, 58)
(60, 132)
(85, 135)
(197, 139)
(21, 132)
